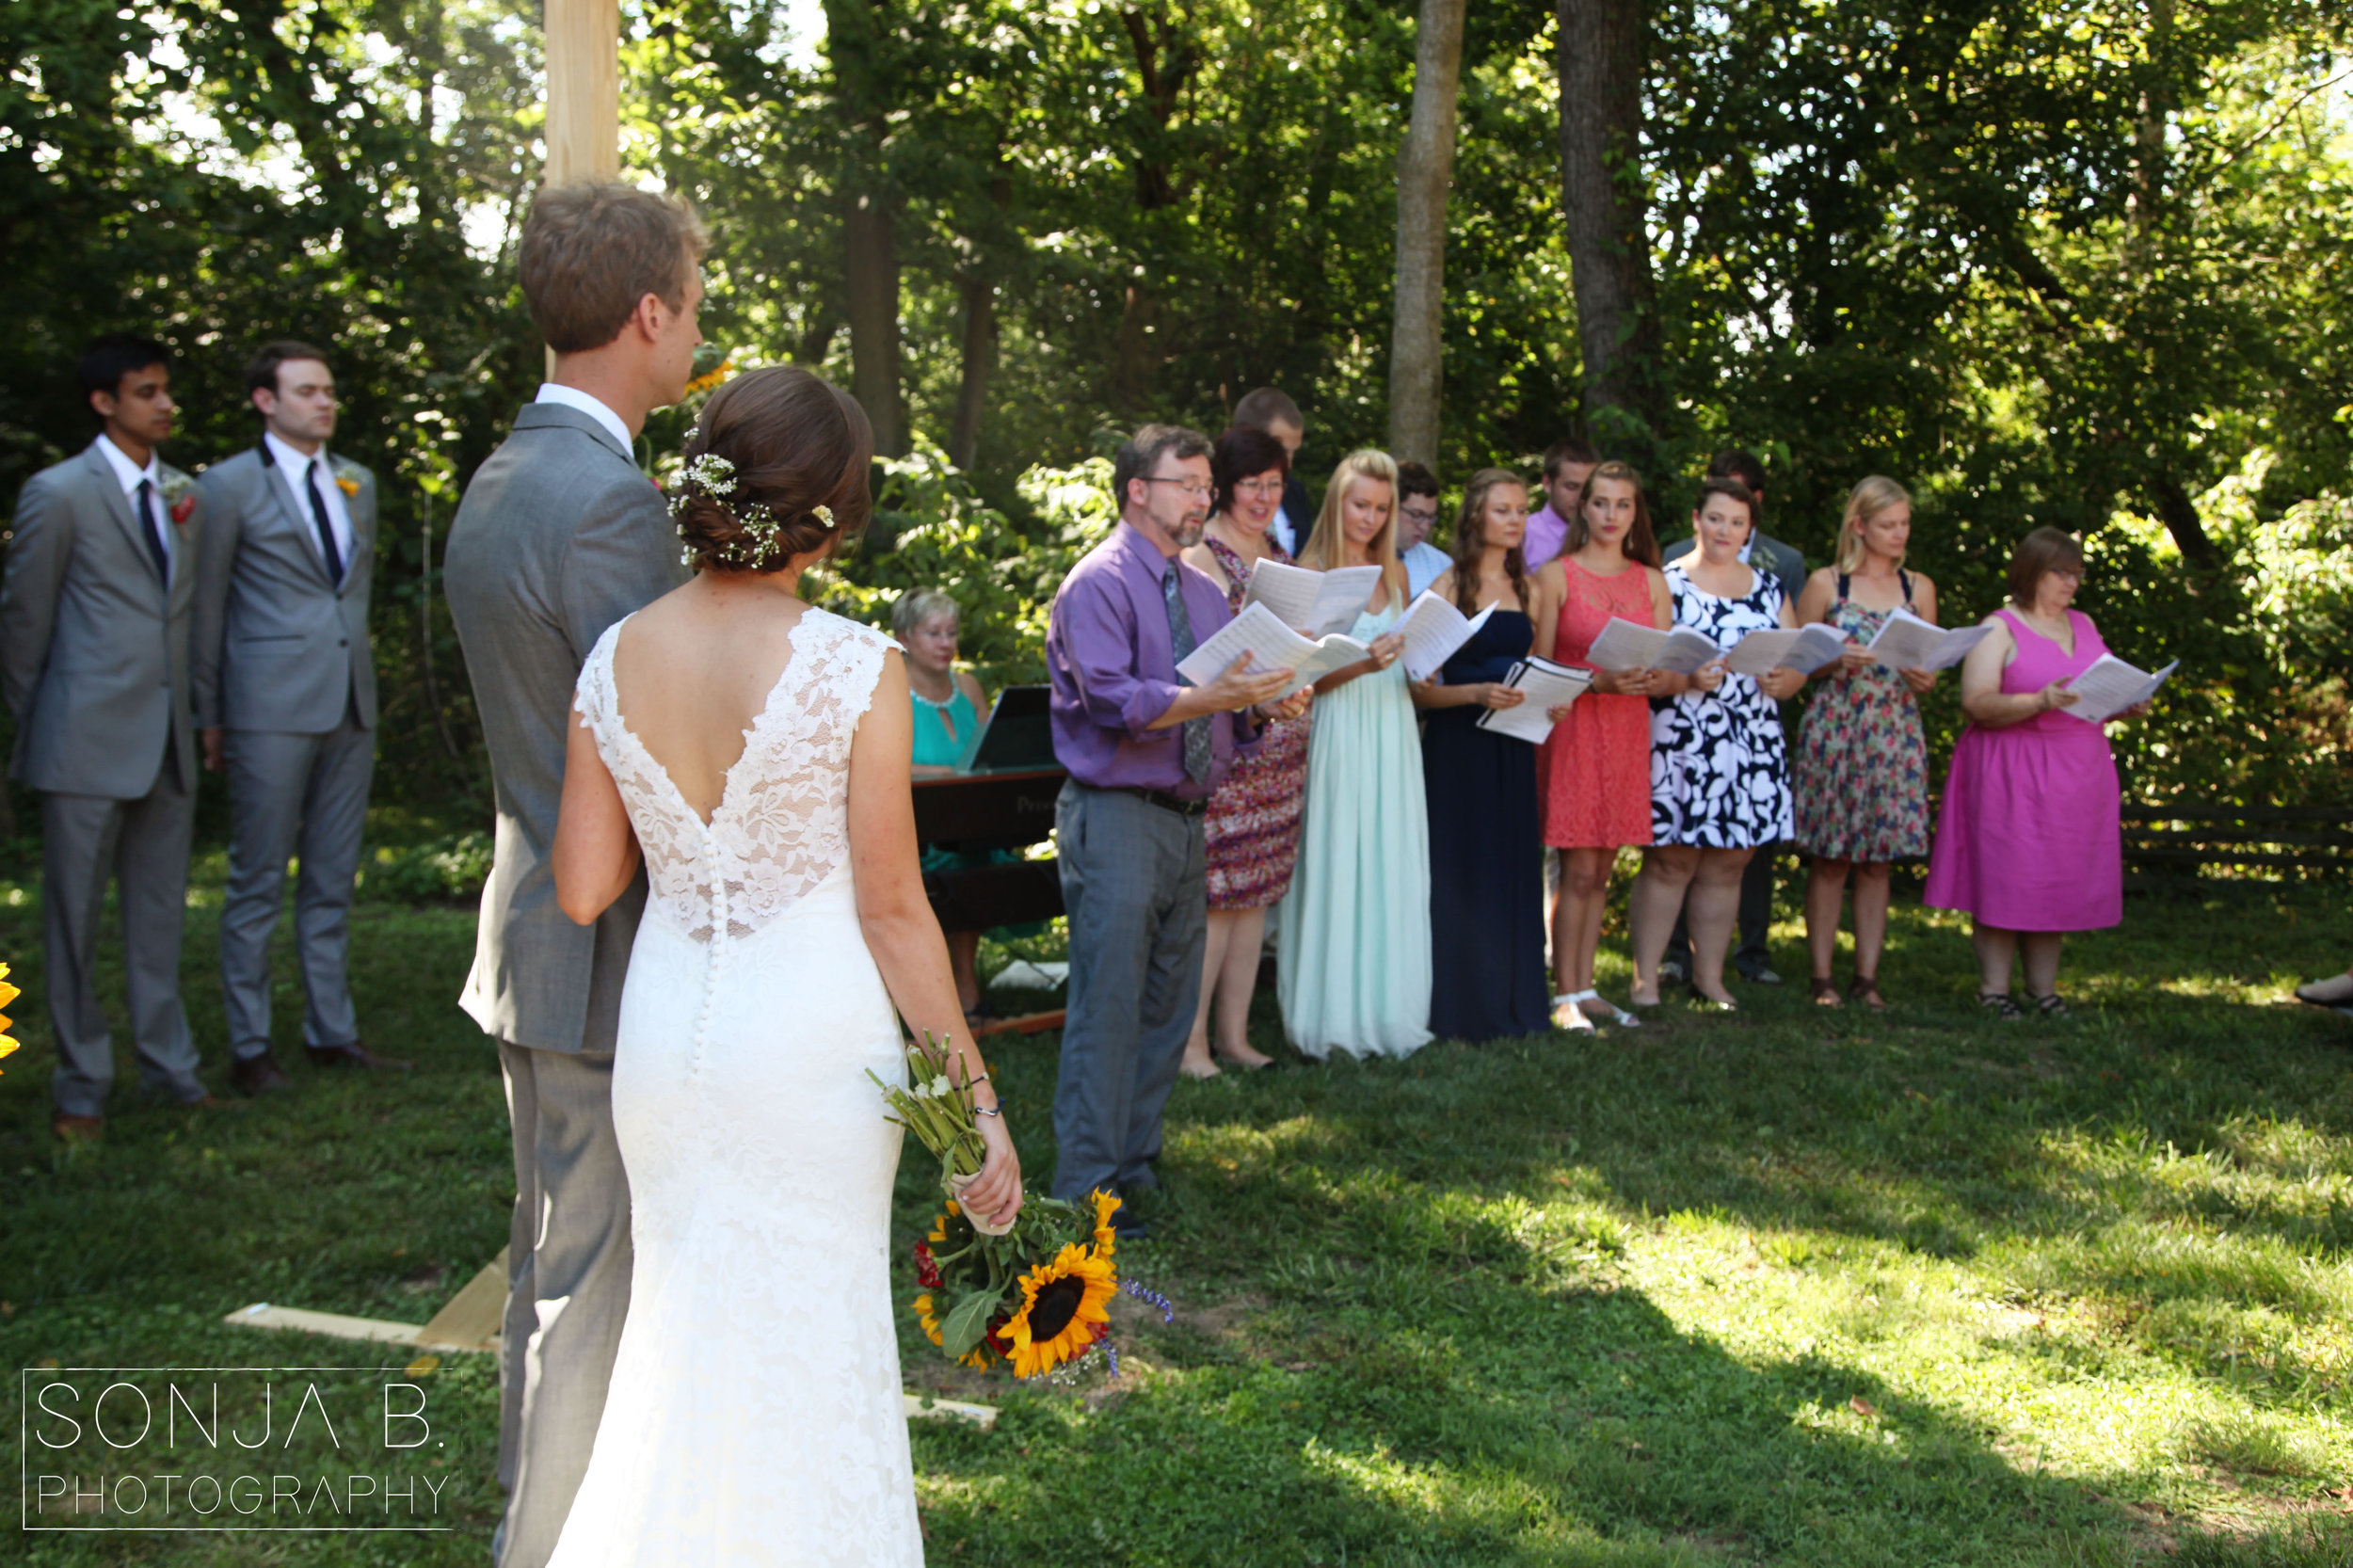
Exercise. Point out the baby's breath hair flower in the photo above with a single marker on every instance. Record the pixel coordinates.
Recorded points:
(713, 477)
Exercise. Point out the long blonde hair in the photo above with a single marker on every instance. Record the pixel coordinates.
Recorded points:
(1866, 501)
(1322, 550)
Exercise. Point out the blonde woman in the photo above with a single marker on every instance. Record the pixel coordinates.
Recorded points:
(1863, 762)
(1353, 965)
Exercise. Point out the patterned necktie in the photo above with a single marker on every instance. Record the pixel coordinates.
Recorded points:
(153, 528)
(327, 529)
(1198, 746)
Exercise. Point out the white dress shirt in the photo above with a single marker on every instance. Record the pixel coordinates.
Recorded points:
(129, 476)
(572, 397)
(297, 467)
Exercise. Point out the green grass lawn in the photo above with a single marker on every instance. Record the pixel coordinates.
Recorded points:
(1792, 1288)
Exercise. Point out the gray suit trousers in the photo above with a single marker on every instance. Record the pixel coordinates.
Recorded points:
(305, 795)
(1135, 884)
(567, 1268)
(144, 844)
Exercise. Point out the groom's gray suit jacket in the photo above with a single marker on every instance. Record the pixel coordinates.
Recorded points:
(93, 651)
(279, 644)
(559, 536)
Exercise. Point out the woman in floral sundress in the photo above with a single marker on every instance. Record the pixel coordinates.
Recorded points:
(1862, 763)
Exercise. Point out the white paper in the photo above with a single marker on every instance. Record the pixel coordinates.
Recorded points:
(1624, 644)
(1271, 646)
(1548, 686)
(2110, 686)
(1435, 630)
(1312, 602)
(1806, 649)
(1907, 642)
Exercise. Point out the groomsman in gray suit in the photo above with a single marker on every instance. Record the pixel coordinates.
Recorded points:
(94, 616)
(285, 703)
(559, 536)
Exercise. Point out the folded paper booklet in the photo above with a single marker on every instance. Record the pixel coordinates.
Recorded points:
(1806, 649)
(2110, 686)
(1433, 631)
(1548, 686)
(1626, 646)
(1908, 643)
(1271, 646)
(1312, 602)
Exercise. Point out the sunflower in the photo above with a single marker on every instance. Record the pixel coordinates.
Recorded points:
(1106, 1205)
(978, 1356)
(1061, 1303)
(7, 993)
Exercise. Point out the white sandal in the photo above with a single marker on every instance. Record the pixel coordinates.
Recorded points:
(1568, 1017)
(1619, 1015)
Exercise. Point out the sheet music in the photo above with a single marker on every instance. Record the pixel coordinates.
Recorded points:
(2110, 686)
(1271, 646)
(1806, 649)
(1548, 686)
(1626, 645)
(1312, 602)
(1435, 630)
(1907, 642)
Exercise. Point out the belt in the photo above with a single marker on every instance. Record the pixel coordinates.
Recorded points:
(1165, 801)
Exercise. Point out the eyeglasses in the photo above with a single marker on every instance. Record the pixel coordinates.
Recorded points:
(1192, 487)
(1261, 487)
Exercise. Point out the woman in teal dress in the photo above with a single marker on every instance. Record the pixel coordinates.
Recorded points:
(949, 708)
(1354, 945)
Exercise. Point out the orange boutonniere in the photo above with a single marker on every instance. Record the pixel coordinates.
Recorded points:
(348, 477)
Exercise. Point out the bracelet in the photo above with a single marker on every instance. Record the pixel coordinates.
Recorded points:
(987, 1111)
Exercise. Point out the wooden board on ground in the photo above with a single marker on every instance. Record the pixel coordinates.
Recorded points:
(471, 1319)
(1029, 1023)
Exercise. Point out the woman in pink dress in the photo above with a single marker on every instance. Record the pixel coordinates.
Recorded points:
(1593, 772)
(2029, 840)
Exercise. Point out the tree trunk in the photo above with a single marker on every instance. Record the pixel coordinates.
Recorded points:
(1425, 169)
(869, 256)
(979, 354)
(1604, 205)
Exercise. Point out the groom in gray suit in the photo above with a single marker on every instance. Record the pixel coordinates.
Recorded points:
(559, 536)
(285, 702)
(94, 616)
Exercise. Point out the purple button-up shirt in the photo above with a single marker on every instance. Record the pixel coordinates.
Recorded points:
(1109, 658)
(1548, 531)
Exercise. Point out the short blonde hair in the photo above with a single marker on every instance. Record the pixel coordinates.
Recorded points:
(921, 607)
(1866, 501)
(1322, 550)
(592, 249)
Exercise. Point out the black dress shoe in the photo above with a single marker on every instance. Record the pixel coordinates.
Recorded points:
(353, 1055)
(258, 1075)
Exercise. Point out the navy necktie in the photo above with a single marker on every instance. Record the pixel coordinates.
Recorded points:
(326, 528)
(1198, 751)
(152, 529)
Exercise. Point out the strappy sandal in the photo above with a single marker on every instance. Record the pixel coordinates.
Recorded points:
(1618, 1015)
(1999, 1005)
(1826, 993)
(2052, 1006)
(1865, 990)
(1569, 1018)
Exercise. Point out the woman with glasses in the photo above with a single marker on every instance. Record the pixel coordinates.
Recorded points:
(2029, 840)
(1253, 822)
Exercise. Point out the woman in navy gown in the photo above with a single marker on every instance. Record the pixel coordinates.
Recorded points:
(1487, 849)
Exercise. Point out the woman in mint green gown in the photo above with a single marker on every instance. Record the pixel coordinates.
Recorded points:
(1353, 948)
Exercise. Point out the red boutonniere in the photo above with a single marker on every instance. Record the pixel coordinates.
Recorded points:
(180, 498)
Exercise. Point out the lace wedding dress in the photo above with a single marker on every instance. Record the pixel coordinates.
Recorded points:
(755, 1414)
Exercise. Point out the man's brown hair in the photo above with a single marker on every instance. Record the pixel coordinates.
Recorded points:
(1266, 407)
(593, 249)
(261, 372)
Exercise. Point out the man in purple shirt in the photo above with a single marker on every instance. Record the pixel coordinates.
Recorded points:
(1145, 751)
(1567, 465)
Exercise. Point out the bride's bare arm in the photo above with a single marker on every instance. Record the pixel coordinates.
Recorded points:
(595, 849)
(901, 931)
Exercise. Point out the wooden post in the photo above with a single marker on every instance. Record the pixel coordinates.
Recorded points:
(584, 128)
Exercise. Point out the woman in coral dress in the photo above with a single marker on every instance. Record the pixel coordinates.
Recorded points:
(1595, 769)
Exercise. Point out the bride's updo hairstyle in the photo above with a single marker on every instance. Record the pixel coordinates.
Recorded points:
(776, 473)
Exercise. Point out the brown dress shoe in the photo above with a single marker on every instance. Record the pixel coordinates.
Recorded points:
(258, 1075)
(353, 1055)
(70, 1128)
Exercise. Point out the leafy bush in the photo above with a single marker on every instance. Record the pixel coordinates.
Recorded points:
(436, 873)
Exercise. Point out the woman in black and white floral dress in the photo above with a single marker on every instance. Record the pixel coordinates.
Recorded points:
(1719, 761)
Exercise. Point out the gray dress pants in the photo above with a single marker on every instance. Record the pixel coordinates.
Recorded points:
(142, 846)
(1135, 884)
(303, 796)
(567, 1268)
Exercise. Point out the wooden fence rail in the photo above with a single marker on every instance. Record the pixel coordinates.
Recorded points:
(2184, 839)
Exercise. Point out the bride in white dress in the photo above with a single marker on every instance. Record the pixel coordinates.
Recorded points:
(758, 750)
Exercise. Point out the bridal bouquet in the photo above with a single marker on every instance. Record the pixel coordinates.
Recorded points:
(1035, 1294)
